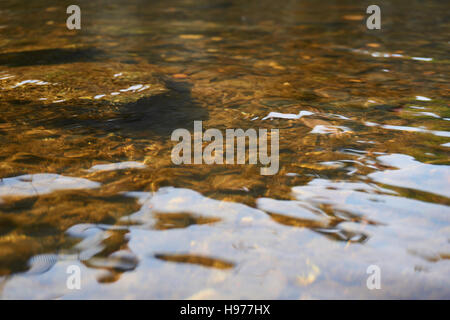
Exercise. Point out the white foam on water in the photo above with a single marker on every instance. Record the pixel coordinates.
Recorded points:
(403, 128)
(178, 200)
(337, 185)
(391, 55)
(410, 129)
(24, 82)
(117, 166)
(279, 115)
(42, 183)
(430, 114)
(380, 54)
(338, 116)
(422, 59)
(332, 164)
(413, 174)
(270, 258)
(422, 98)
(415, 129)
(132, 88)
(292, 174)
(144, 88)
(326, 129)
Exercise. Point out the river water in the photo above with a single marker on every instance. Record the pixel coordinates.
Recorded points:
(86, 118)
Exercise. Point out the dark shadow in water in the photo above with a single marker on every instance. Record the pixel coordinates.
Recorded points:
(49, 56)
(161, 113)
(158, 115)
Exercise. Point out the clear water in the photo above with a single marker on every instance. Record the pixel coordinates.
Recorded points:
(87, 178)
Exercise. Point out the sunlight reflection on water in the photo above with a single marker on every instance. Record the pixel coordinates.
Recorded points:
(87, 177)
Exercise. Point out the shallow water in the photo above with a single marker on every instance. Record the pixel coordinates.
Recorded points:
(87, 178)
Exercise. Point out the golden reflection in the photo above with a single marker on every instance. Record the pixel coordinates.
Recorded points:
(180, 220)
(66, 105)
(196, 259)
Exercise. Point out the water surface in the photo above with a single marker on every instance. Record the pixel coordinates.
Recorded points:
(87, 178)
